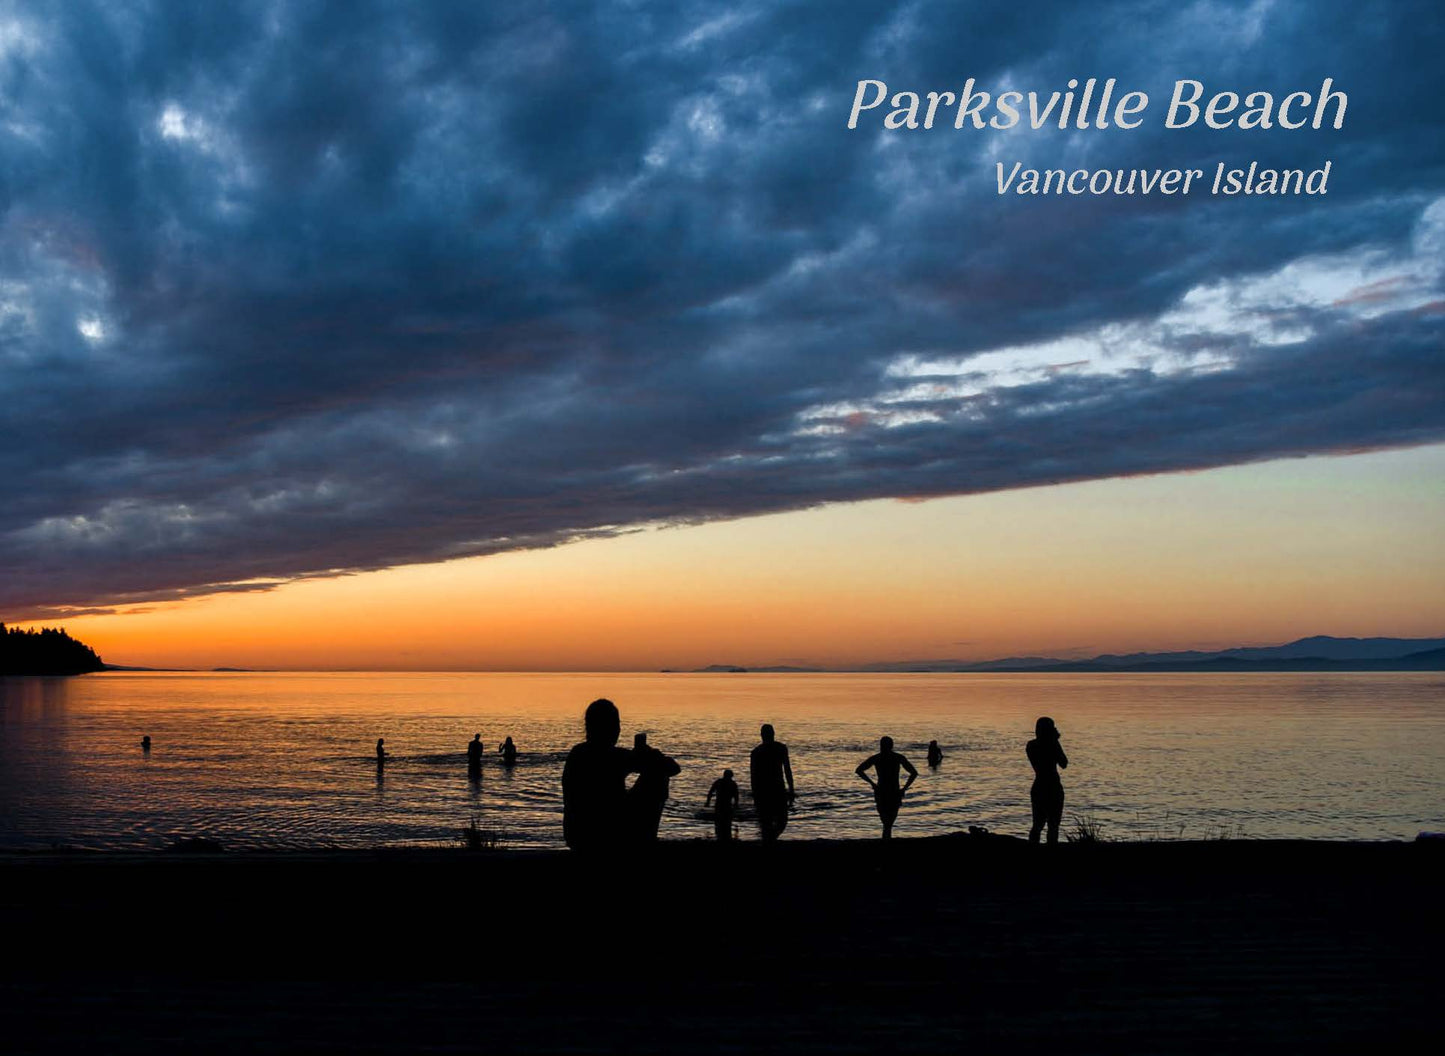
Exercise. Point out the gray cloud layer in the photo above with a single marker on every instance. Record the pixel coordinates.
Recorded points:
(294, 288)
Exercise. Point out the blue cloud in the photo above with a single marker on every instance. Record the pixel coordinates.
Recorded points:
(299, 288)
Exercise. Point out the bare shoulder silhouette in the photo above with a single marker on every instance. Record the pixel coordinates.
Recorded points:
(725, 791)
(594, 783)
(650, 792)
(1046, 796)
(771, 773)
(887, 795)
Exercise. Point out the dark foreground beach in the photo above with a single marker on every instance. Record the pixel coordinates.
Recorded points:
(944, 944)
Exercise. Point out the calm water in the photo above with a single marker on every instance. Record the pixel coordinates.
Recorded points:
(286, 760)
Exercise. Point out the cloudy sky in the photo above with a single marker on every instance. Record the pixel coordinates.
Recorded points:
(289, 290)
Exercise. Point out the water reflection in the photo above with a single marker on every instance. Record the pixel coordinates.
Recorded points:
(284, 760)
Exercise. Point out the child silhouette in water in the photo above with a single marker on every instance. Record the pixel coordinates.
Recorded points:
(725, 790)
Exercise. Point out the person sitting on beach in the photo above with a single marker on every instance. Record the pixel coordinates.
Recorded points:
(725, 789)
(508, 752)
(886, 794)
(648, 794)
(935, 754)
(380, 751)
(474, 754)
(769, 768)
(594, 783)
(1047, 794)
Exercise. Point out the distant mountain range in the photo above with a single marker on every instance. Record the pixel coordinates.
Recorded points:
(1318, 653)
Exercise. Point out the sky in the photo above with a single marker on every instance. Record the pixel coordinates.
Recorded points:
(443, 335)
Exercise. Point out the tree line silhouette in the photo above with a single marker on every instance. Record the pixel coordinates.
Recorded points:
(48, 651)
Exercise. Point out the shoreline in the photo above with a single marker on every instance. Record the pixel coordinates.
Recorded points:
(1001, 842)
(916, 945)
(992, 843)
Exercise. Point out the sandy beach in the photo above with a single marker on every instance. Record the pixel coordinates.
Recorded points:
(938, 944)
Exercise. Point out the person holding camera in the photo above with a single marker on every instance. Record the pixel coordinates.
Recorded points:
(1047, 794)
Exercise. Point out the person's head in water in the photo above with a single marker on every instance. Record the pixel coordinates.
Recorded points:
(1045, 728)
(603, 723)
(639, 740)
(885, 743)
(767, 731)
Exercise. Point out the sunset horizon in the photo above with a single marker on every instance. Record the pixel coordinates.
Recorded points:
(282, 362)
(857, 584)
(898, 525)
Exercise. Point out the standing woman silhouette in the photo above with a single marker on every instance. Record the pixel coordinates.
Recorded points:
(1047, 793)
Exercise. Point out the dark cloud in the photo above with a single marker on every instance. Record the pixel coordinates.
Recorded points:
(297, 289)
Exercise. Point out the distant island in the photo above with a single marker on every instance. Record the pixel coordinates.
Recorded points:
(1317, 653)
(48, 651)
(733, 669)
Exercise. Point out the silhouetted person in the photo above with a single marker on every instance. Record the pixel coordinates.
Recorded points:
(508, 752)
(935, 754)
(886, 794)
(145, 744)
(1047, 793)
(594, 783)
(474, 756)
(380, 751)
(771, 775)
(725, 790)
(649, 792)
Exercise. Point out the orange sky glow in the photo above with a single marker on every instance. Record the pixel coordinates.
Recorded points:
(1244, 555)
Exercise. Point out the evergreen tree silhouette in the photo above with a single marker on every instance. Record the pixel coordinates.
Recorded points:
(48, 651)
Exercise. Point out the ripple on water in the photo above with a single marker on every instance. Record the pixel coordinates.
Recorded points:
(287, 761)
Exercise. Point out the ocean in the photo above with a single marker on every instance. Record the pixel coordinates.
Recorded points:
(286, 760)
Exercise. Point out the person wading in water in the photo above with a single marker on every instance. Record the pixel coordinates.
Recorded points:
(1047, 793)
(886, 793)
